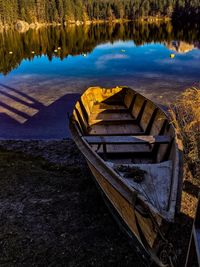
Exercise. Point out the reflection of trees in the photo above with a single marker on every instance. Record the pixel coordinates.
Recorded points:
(75, 40)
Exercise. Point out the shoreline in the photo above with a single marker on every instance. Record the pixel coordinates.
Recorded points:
(23, 26)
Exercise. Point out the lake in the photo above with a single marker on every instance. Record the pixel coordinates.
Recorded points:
(43, 71)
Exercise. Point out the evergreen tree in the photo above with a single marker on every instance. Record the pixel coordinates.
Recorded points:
(82, 10)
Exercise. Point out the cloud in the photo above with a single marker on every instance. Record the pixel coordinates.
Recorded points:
(117, 44)
(102, 60)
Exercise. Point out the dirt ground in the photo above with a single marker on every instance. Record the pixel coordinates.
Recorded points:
(51, 213)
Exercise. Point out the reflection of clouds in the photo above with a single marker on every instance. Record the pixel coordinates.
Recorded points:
(196, 55)
(179, 64)
(152, 75)
(150, 51)
(166, 61)
(119, 44)
(27, 76)
(102, 60)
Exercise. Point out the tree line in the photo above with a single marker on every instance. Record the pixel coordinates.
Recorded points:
(60, 11)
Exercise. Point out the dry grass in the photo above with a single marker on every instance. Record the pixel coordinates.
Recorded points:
(186, 116)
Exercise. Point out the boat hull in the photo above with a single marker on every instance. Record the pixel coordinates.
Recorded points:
(128, 227)
(122, 210)
(142, 221)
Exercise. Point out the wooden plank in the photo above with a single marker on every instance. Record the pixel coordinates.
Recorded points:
(140, 153)
(156, 184)
(143, 139)
(123, 148)
(81, 118)
(111, 116)
(148, 123)
(100, 107)
(128, 99)
(121, 129)
(138, 105)
(125, 209)
(139, 117)
(112, 121)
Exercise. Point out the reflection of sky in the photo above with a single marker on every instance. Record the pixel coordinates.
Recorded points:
(118, 44)
(121, 59)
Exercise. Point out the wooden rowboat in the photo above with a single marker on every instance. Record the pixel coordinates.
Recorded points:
(134, 154)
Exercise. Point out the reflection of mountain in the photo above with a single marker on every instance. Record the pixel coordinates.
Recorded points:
(75, 40)
(180, 46)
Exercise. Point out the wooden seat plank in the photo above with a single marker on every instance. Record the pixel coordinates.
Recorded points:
(113, 121)
(107, 116)
(122, 149)
(121, 129)
(140, 139)
(106, 107)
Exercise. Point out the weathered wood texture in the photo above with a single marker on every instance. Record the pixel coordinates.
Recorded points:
(156, 183)
(148, 139)
(141, 130)
(125, 209)
(120, 126)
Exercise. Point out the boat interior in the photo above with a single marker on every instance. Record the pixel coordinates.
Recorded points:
(129, 131)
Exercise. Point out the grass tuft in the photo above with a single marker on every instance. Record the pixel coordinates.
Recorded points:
(186, 116)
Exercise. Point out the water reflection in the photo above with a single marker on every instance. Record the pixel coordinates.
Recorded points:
(44, 71)
(76, 40)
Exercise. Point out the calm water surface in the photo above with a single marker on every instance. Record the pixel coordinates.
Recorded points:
(42, 72)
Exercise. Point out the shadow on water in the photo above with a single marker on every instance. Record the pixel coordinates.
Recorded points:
(48, 122)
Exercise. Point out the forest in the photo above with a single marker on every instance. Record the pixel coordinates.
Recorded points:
(59, 11)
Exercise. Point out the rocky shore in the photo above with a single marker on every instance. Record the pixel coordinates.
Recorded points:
(52, 213)
(23, 26)
(55, 151)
